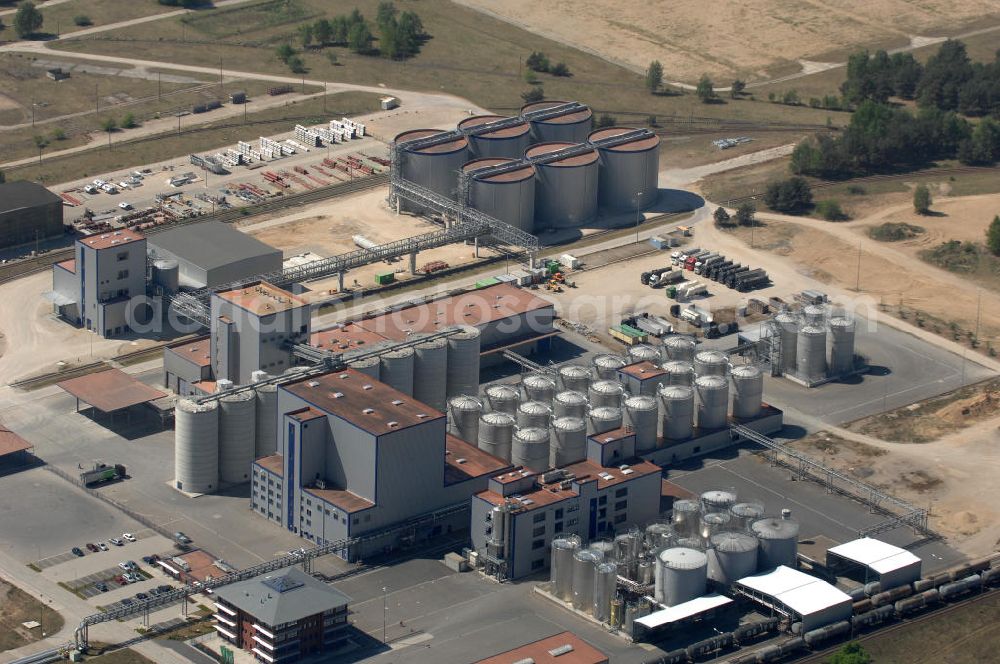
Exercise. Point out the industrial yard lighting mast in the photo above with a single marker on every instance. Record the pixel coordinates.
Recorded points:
(385, 611)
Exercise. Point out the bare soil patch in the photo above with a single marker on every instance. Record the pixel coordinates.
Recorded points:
(16, 607)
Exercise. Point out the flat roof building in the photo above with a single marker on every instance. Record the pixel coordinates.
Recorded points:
(797, 595)
(212, 254)
(877, 561)
(28, 213)
(562, 648)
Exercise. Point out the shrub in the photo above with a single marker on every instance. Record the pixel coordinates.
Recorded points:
(791, 195)
(831, 211)
(82, 20)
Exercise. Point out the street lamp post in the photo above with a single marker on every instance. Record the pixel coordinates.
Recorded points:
(385, 611)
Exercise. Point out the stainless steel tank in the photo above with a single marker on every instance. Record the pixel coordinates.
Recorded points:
(397, 369)
(530, 448)
(748, 391)
(842, 330)
(644, 353)
(659, 535)
(369, 366)
(561, 566)
(434, 167)
(696, 543)
(569, 404)
(606, 366)
(788, 331)
(731, 556)
(196, 446)
(713, 401)
(507, 195)
(628, 170)
(572, 125)
(607, 393)
(745, 514)
(584, 564)
(237, 421)
(538, 387)
(641, 414)
(463, 362)
(711, 363)
(677, 411)
(463, 417)
(534, 414)
(266, 428)
(683, 575)
(603, 548)
(565, 187)
(496, 434)
(645, 573)
(575, 377)
(779, 542)
(686, 517)
(430, 373)
(679, 348)
(503, 398)
(811, 353)
(568, 442)
(814, 314)
(508, 142)
(605, 586)
(600, 420)
(718, 500)
(714, 522)
(166, 274)
(679, 372)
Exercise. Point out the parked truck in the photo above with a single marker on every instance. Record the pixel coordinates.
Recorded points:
(102, 473)
(735, 280)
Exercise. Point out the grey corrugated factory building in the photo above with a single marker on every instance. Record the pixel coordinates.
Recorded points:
(214, 254)
(28, 212)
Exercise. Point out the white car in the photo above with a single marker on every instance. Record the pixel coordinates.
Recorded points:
(126, 206)
(116, 541)
(109, 188)
(90, 189)
(103, 546)
(123, 185)
(128, 536)
(100, 183)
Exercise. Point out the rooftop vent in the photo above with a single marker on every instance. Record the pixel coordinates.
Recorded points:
(561, 650)
(368, 411)
(397, 402)
(627, 471)
(460, 461)
(392, 424)
(366, 387)
(313, 383)
(421, 416)
(337, 395)
(343, 376)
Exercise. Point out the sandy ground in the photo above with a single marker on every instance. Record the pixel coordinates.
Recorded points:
(743, 38)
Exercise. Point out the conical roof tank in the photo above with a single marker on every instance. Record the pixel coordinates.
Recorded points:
(496, 433)
(686, 517)
(503, 398)
(677, 411)
(814, 314)
(748, 391)
(430, 373)
(530, 448)
(369, 366)
(606, 393)
(606, 366)
(679, 372)
(778, 542)
(600, 420)
(396, 370)
(788, 331)
(575, 377)
(713, 401)
(641, 414)
(711, 363)
(464, 413)
(679, 348)
(569, 404)
(746, 513)
(534, 414)
(718, 500)
(561, 567)
(731, 556)
(682, 577)
(584, 563)
(538, 387)
(644, 353)
(568, 441)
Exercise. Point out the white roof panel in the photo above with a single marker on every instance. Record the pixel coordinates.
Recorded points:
(800, 592)
(876, 554)
(682, 611)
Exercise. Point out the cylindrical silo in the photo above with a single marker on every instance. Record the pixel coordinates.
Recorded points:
(503, 398)
(507, 195)
(237, 421)
(538, 387)
(430, 373)
(396, 370)
(814, 314)
(731, 557)
(605, 585)
(463, 362)
(643, 353)
(496, 434)
(266, 428)
(604, 549)
(677, 411)
(369, 366)
(196, 446)
(679, 372)
(565, 187)
(683, 575)
(641, 415)
(695, 542)
(645, 572)
(687, 517)
(569, 404)
(561, 566)
(535, 414)
(788, 329)
(659, 535)
(748, 391)
(584, 563)
(602, 419)
(714, 522)
(679, 348)
(713, 401)
(606, 393)
(779, 542)
(166, 274)
(464, 412)
(572, 125)
(628, 170)
(434, 167)
(530, 448)
(568, 442)
(811, 353)
(508, 142)
(718, 500)
(841, 345)
(711, 363)
(606, 366)
(575, 377)
(745, 514)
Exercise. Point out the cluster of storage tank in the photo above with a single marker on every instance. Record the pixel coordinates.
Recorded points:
(587, 577)
(815, 345)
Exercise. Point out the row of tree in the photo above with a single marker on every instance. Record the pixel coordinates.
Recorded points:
(399, 34)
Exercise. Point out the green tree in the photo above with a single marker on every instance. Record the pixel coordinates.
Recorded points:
(40, 141)
(129, 121)
(983, 147)
(306, 34)
(736, 88)
(284, 52)
(82, 20)
(533, 94)
(537, 61)
(791, 98)
(560, 69)
(922, 199)
(297, 64)
(339, 28)
(28, 20)
(385, 15)
(705, 90)
(359, 38)
(389, 41)
(791, 195)
(722, 218)
(831, 210)
(745, 214)
(58, 134)
(605, 120)
(654, 76)
(322, 32)
(850, 653)
(992, 233)
(109, 125)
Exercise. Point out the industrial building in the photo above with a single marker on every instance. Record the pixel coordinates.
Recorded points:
(284, 616)
(562, 648)
(803, 598)
(28, 213)
(871, 560)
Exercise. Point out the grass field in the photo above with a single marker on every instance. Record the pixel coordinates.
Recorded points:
(59, 18)
(16, 607)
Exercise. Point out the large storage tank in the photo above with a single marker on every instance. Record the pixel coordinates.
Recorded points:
(679, 348)
(788, 329)
(731, 557)
(606, 393)
(686, 517)
(718, 500)
(561, 566)
(584, 563)
(659, 535)
(534, 414)
(605, 585)
(714, 522)
(503, 398)
(679, 372)
(237, 421)
(430, 373)
(369, 366)
(713, 401)
(508, 195)
(434, 167)
(814, 314)
(606, 366)
(643, 353)
(504, 143)
(575, 377)
(464, 412)
(641, 415)
(266, 428)
(682, 576)
(748, 391)
(677, 411)
(565, 188)
(745, 514)
(496, 434)
(196, 446)
(463, 362)
(841, 345)
(530, 448)
(572, 126)
(166, 274)
(569, 404)
(711, 363)
(811, 353)
(779, 542)
(628, 170)
(600, 420)
(538, 387)
(396, 370)
(568, 442)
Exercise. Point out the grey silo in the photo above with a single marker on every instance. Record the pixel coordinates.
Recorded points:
(686, 517)
(603, 419)
(788, 331)
(714, 522)
(565, 188)
(503, 398)
(435, 167)
(731, 557)
(711, 363)
(746, 513)
(573, 126)
(575, 377)
(534, 414)
(496, 434)
(606, 366)
(628, 171)
(196, 446)
(778, 542)
(679, 372)
(677, 411)
(683, 575)
(530, 448)
(538, 387)
(607, 393)
(508, 196)
(396, 369)
(505, 143)
(605, 585)
(237, 421)
(814, 314)
(266, 428)
(748, 391)
(430, 373)
(641, 414)
(644, 353)
(561, 568)
(369, 366)
(679, 347)
(568, 441)
(569, 404)
(464, 412)
(166, 274)
(713, 401)
(584, 563)
(811, 353)
(717, 500)
(841, 345)
(463, 361)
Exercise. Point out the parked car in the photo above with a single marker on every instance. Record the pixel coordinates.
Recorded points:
(103, 587)
(127, 601)
(149, 560)
(76, 551)
(103, 545)
(124, 565)
(92, 547)
(141, 596)
(182, 538)
(164, 588)
(128, 536)
(116, 541)
(120, 580)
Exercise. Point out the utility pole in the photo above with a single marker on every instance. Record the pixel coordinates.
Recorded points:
(385, 612)
(97, 98)
(159, 87)
(32, 111)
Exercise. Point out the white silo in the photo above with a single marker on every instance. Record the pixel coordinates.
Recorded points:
(565, 186)
(815, 314)
(778, 542)
(536, 414)
(397, 369)
(575, 377)
(841, 345)
(718, 500)
(568, 441)
(605, 585)
(430, 373)
(644, 353)
(811, 353)
(788, 331)
(711, 363)
(641, 415)
(166, 274)
(538, 387)
(463, 362)
(713, 401)
(530, 448)
(507, 195)
(748, 391)
(561, 567)
(679, 372)
(686, 517)
(607, 393)
(503, 398)
(463, 417)
(569, 404)
(628, 170)
(606, 366)
(679, 347)
(683, 575)
(603, 419)
(746, 513)
(584, 564)
(369, 366)
(496, 434)
(266, 428)
(196, 446)
(573, 124)
(731, 556)
(237, 421)
(677, 411)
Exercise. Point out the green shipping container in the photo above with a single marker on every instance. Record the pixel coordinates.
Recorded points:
(383, 278)
(672, 291)
(553, 266)
(483, 283)
(631, 331)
